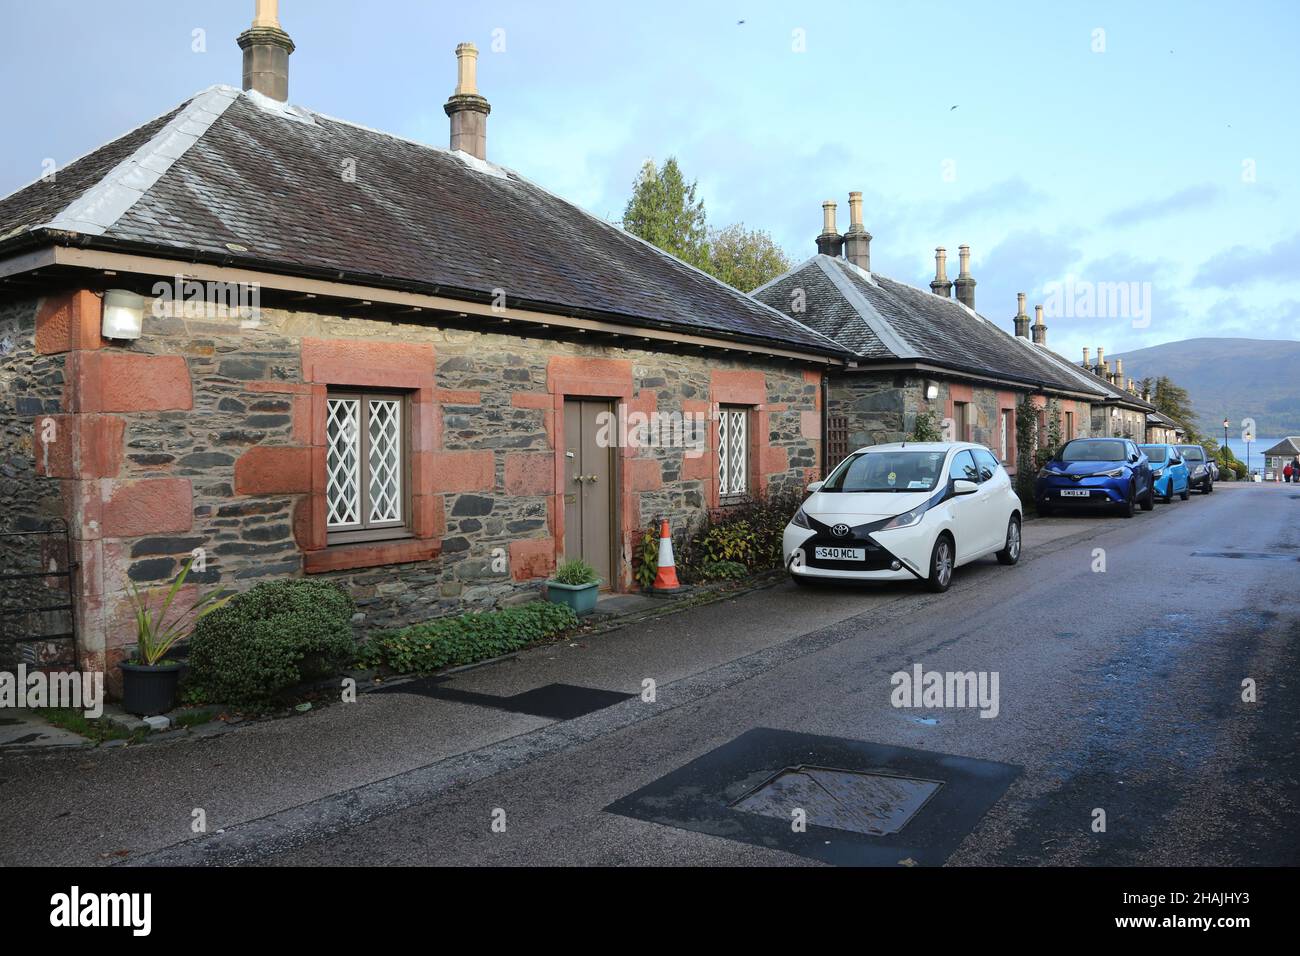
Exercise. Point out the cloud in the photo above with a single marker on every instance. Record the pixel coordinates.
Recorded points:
(1001, 197)
(1192, 197)
(1241, 265)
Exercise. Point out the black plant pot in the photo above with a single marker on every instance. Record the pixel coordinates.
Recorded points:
(146, 690)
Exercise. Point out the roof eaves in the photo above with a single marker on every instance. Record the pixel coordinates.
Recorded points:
(887, 334)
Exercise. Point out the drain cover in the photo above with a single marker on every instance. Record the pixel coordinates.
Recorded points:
(867, 804)
(870, 803)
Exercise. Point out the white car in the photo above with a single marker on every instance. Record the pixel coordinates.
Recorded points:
(910, 510)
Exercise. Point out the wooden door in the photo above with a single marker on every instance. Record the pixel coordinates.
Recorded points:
(589, 486)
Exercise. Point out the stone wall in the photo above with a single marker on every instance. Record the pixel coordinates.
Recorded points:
(208, 432)
(883, 407)
(31, 388)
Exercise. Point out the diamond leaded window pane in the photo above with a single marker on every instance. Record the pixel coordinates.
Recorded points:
(385, 459)
(343, 461)
(732, 451)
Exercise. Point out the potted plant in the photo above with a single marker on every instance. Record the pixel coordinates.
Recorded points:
(574, 585)
(149, 681)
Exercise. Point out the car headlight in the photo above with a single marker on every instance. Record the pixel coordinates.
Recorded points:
(907, 519)
(1157, 473)
(800, 519)
(1045, 473)
(1113, 473)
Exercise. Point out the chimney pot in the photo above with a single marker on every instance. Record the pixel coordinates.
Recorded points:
(1022, 320)
(1086, 363)
(1040, 330)
(857, 241)
(466, 108)
(266, 53)
(965, 284)
(830, 242)
(941, 286)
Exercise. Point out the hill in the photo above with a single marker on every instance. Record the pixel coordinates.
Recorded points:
(1233, 378)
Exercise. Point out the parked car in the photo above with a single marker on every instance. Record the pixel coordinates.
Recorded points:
(1168, 471)
(1202, 471)
(902, 511)
(1095, 472)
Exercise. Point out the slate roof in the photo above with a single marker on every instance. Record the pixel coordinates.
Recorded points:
(879, 319)
(230, 169)
(1287, 446)
(1109, 394)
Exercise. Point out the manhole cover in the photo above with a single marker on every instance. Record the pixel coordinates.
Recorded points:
(870, 803)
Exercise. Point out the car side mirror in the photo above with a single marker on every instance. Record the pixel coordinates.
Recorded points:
(815, 486)
(963, 487)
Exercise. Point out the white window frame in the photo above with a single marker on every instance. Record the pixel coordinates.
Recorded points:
(733, 451)
(361, 519)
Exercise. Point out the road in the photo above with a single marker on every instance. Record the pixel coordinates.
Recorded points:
(1119, 691)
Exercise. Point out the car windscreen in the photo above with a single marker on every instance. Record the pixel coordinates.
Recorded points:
(1093, 450)
(887, 471)
(1192, 452)
(1155, 452)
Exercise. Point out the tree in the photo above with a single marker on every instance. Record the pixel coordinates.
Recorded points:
(664, 211)
(1172, 400)
(745, 259)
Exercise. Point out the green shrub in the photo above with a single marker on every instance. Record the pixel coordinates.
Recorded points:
(271, 638)
(645, 559)
(747, 532)
(466, 638)
(723, 571)
(574, 572)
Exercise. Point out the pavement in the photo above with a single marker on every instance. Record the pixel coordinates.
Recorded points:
(1119, 690)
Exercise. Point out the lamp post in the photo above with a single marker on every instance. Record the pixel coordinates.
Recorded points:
(1226, 423)
(1249, 438)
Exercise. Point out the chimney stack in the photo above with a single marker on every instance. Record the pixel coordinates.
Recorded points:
(965, 284)
(1114, 375)
(467, 110)
(1022, 320)
(1040, 330)
(941, 286)
(1100, 368)
(1119, 369)
(266, 53)
(1086, 363)
(830, 242)
(857, 241)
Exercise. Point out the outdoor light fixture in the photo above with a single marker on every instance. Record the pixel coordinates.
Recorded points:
(931, 392)
(123, 314)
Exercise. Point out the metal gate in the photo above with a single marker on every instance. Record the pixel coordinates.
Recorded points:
(36, 592)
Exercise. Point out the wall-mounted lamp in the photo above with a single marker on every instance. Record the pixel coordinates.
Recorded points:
(931, 391)
(123, 314)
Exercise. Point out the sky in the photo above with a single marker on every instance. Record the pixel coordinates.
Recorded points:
(1073, 146)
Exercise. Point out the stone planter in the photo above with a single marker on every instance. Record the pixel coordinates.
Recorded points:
(580, 598)
(149, 691)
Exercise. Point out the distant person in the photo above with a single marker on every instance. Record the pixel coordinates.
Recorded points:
(1287, 472)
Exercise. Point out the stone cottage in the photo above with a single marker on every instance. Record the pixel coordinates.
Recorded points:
(292, 345)
(913, 352)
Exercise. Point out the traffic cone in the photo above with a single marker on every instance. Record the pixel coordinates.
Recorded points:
(666, 576)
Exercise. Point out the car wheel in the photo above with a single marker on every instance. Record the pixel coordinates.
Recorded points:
(1187, 492)
(942, 559)
(1126, 509)
(1207, 488)
(1169, 498)
(1149, 499)
(1010, 554)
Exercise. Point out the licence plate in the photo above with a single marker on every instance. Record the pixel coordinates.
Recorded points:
(840, 554)
(1074, 493)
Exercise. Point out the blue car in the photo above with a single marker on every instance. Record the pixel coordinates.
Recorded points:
(1168, 471)
(1096, 472)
